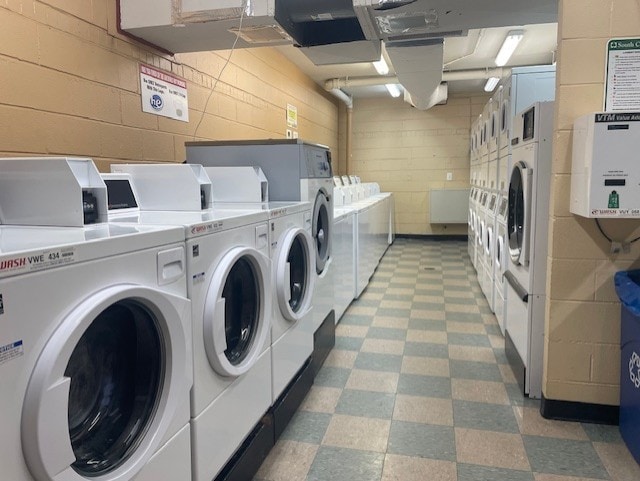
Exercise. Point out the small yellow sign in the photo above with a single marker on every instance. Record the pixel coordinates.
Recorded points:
(292, 116)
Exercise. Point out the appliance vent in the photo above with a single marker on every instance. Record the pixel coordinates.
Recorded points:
(408, 23)
(262, 34)
(427, 35)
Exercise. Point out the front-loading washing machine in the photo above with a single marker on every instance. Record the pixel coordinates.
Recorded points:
(95, 345)
(480, 235)
(292, 254)
(527, 231)
(230, 287)
(471, 225)
(296, 171)
(488, 244)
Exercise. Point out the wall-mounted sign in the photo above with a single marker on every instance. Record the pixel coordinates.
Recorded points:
(622, 85)
(292, 116)
(163, 94)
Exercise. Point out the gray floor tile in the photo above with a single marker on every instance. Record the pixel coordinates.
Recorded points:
(517, 397)
(428, 386)
(387, 333)
(397, 297)
(469, 339)
(373, 361)
(564, 457)
(337, 464)
(349, 343)
(426, 349)
(355, 319)
(429, 291)
(332, 377)
(481, 371)
(423, 440)
(389, 312)
(462, 316)
(501, 356)
(363, 301)
(428, 306)
(427, 325)
(472, 472)
(601, 433)
(493, 329)
(307, 427)
(366, 404)
(487, 417)
(459, 300)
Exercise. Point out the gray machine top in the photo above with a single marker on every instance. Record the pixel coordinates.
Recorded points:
(284, 162)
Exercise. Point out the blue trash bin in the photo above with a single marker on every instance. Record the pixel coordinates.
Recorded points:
(628, 290)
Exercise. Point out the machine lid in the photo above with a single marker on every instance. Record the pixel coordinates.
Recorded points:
(295, 277)
(236, 312)
(321, 231)
(107, 385)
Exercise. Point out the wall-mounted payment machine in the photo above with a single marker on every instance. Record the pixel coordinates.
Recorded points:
(605, 176)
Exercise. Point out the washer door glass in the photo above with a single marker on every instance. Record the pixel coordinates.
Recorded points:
(241, 293)
(298, 275)
(516, 214)
(116, 373)
(321, 231)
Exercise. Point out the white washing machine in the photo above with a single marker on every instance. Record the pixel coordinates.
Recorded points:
(95, 345)
(471, 227)
(527, 229)
(229, 282)
(500, 260)
(480, 236)
(296, 171)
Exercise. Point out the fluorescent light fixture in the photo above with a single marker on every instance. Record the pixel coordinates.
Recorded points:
(393, 89)
(491, 84)
(508, 47)
(381, 66)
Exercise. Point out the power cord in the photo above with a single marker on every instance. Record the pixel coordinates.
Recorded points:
(233, 47)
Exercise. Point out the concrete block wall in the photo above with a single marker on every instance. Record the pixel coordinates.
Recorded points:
(582, 332)
(409, 152)
(69, 85)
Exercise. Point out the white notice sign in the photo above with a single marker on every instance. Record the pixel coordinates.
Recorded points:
(163, 94)
(622, 87)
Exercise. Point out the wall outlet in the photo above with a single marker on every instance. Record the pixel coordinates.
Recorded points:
(449, 175)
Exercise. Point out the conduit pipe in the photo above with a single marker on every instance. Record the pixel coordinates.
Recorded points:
(348, 101)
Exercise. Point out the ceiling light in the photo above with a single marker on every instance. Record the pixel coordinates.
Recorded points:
(491, 84)
(381, 66)
(508, 47)
(393, 89)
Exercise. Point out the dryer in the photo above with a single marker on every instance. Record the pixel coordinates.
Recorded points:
(480, 235)
(229, 282)
(96, 334)
(488, 243)
(296, 171)
(527, 229)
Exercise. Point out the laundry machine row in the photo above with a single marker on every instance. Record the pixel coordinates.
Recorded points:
(296, 171)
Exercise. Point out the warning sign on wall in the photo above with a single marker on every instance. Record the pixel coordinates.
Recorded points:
(622, 85)
(163, 94)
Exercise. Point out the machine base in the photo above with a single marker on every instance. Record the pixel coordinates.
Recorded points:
(515, 361)
(249, 457)
(580, 412)
(286, 405)
(323, 341)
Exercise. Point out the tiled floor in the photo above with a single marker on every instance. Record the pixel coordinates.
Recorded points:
(418, 389)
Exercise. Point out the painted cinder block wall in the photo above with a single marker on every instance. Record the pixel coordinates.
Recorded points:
(69, 85)
(409, 152)
(582, 332)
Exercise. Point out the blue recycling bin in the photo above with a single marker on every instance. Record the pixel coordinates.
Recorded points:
(628, 290)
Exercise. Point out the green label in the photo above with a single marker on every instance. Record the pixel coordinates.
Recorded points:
(624, 44)
(614, 200)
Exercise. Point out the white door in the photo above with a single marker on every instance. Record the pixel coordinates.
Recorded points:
(519, 213)
(107, 385)
(321, 230)
(295, 277)
(237, 311)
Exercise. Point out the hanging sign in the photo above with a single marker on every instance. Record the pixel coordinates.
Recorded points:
(622, 84)
(292, 116)
(163, 94)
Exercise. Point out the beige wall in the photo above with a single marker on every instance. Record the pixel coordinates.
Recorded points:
(582, 335)
(69, 85)
(409, 151)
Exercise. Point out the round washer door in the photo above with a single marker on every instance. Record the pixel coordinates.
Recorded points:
(295, 278)
(488, 241)
(106, 386)
(518, 215)
(321, 230)
(237, 311)
(500, 254)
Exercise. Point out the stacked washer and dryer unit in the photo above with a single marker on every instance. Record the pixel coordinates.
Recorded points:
(95, 345)
(296, 171)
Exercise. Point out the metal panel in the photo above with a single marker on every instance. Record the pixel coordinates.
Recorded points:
(449, 206)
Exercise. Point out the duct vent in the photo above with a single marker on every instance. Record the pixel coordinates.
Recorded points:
(263, 34)
(408, 23)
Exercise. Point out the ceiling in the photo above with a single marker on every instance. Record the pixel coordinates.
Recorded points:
(476, 50)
